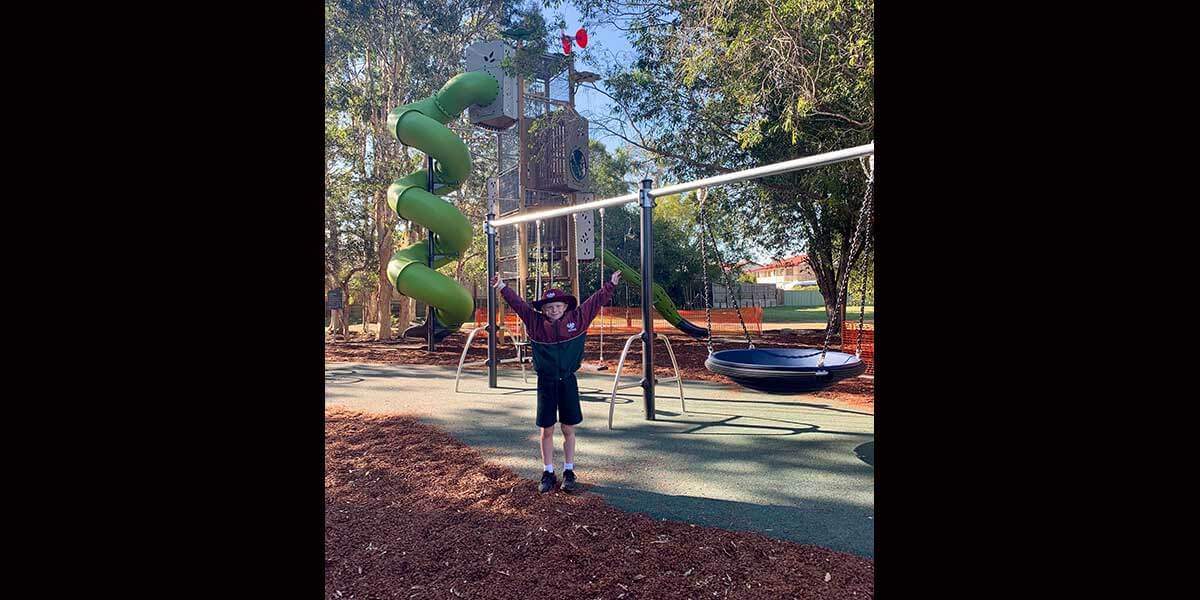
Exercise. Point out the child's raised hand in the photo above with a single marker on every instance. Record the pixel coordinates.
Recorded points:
(498, 283)
(616, 277)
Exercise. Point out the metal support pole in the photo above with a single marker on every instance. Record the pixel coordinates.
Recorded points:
(538, 288)
(491, 299)
(429, 236)
(647, 203)
(600, 262)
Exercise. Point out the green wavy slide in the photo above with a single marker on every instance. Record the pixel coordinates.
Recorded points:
(421, 125)
(662, 302)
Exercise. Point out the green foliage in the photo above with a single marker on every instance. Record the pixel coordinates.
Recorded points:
(380, 54)
(721, 85)
(855, 286)
(362, 286)
(528, 25)
(607, 171)
(678, 259)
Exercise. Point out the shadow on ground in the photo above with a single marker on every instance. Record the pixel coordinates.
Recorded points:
(830, 525)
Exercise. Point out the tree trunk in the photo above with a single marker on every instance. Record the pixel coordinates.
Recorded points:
(366, 314)
(344, 314)
(407, 308)
(368, 309)
(830, 308)
(827, 283)
(406, 303)
(383, 307)
(383, 293)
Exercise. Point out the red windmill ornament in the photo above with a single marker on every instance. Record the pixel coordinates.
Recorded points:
(580, 38)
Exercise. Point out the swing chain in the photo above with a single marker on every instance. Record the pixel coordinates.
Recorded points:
(843, 284)
(704, 272)
(734, 297)
(862, 310)
(725, 274)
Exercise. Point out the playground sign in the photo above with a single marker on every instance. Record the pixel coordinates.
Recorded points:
(334, 299)
(585, 236)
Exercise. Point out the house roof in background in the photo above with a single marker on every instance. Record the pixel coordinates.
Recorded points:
(787, 262)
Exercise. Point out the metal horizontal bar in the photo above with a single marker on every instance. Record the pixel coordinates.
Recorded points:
(502, 361)
(779, 168)
(565, 210)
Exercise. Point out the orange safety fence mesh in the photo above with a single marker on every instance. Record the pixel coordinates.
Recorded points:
(511, 322)
(850, 339)
(628, 320)
(625, 319)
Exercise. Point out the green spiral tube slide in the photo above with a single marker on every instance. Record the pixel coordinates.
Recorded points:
(662, 302)
(421, 125)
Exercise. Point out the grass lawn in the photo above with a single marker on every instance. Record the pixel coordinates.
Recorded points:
(809, 314)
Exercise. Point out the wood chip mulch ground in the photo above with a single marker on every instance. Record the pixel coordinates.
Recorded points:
(689, 353)
(410, 512)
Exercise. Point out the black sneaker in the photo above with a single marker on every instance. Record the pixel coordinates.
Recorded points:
(548, 482)
(569, 484)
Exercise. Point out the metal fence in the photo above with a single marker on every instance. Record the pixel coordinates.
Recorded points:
(803, 298)
(814, 298)
(747, 294)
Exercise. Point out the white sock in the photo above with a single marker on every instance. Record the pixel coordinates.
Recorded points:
(568, 466)
(549, 468)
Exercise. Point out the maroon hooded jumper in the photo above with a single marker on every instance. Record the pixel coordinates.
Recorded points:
(558, 351)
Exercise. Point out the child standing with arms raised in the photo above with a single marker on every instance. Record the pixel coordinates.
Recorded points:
(558, 334)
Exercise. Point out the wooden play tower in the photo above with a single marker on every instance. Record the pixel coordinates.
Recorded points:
(544, 161)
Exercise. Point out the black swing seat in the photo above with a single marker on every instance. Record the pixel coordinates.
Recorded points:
(417, 330)
(784, 370)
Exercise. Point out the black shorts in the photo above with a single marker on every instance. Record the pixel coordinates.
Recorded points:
(558, 400)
